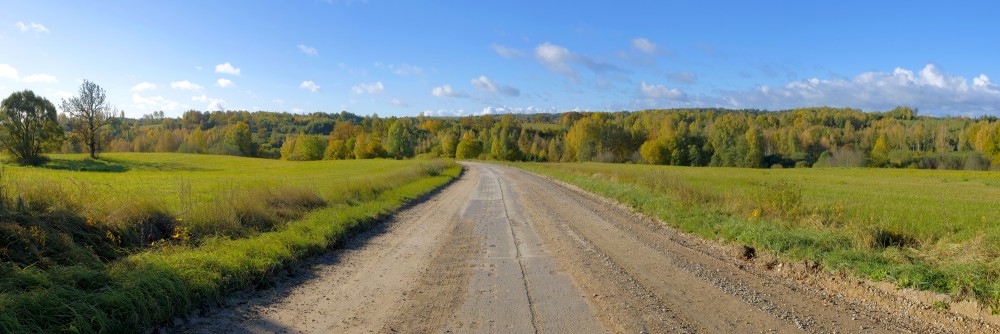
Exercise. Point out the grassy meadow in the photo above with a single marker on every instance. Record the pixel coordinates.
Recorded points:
(925, 229)
(132, 240)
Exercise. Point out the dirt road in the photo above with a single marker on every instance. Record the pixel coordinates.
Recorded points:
(505, 251)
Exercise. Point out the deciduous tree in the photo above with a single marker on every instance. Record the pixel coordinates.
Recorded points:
(399, 142)
(28, 126)
(91, 111)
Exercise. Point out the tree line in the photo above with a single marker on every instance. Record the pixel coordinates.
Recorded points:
(804, 137)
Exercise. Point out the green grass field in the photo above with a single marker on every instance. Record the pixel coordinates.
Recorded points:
(131, 240)
(926, 229)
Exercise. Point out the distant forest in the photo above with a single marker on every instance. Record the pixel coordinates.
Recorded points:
(807, 137)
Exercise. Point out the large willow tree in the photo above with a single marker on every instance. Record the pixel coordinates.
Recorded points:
(28, 126)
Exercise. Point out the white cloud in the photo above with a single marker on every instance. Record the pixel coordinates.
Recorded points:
(560, 60)
(982, 81)
(213, 103)
(224, 83)
(40, 78)
(311, 86)
(62, 94)
(661, 92)
(399, 103)
(484, 83)
(490, 110)
(308, 50)
(143, 86)
(184, 85)
(506, 52)
(35, 27)
(644, 45)
(447, 91)
(227, 68)
(930, 90)
(932, 76)
(297, 110)
(8, 72)
(555, 58)
(443, 112)
(369, 88)
(154, 103)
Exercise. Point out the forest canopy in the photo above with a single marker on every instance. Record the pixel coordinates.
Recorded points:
(805, 137)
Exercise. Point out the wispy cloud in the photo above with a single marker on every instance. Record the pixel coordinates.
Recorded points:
(447, 91)
(403, 70)
(484, 83)
(407, 70)
(143, 86)
(555, 58)
(708, 48)
(683, 77)
(559, 59)
(369, 88)
(644, 45)
(8, 72)
(31, 27)
(398, 102)
(40, 78)
(491, 110)
(11, 73)
(184, 85)
(213, 103)
(507, 52)
(308, 50)
(154, 103)
(309, 85)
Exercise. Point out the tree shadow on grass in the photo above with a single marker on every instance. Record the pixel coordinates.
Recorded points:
(154, 166)
(86, 165)
(107, 165)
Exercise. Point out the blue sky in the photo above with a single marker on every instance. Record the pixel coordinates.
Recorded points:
(404, 58)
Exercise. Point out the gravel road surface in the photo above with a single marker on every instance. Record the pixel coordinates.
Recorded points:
(502, 250)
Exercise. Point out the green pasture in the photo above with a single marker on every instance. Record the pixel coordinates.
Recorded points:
(926, 229)
(176, 179)
(130, 241)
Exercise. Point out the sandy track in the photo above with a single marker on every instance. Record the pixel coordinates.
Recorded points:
(505, 251)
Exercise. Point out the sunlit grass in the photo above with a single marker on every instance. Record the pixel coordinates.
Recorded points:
(221, 223)
(932, 230)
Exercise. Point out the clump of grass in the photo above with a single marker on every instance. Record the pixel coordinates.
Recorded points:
(433, 167)
(664, 182)
(140, 222)
(781, 199)
(246, 211)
